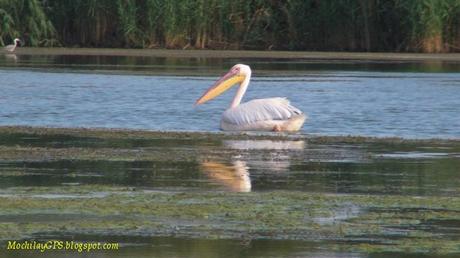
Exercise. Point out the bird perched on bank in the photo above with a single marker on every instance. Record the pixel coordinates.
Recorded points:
(12, 47)
(271, 114)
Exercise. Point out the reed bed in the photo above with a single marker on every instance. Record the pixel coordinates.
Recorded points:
(339, 25)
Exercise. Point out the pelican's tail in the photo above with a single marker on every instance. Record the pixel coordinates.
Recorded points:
(294, 123)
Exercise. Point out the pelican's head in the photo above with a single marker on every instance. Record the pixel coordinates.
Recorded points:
(237, 74)
(16, 41)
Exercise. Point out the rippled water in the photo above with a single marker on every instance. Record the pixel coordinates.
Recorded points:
(363, 101)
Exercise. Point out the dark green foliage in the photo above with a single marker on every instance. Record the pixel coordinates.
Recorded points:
(25, 19)
(350, 25)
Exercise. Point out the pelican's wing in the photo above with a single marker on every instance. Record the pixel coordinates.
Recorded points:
(260, 110)
(9, 48)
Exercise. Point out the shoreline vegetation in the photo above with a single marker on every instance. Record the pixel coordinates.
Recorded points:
(429, 26)
(179, 53)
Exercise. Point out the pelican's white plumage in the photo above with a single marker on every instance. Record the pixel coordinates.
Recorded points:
(11, 48)
(259, 112)
(271, 114)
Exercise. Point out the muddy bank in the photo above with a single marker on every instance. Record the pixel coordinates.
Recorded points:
(105, 133)
(41, 143)
(240, 54)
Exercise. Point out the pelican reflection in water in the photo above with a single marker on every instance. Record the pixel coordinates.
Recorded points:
(296, 145)
(234, 177)
(263, 155)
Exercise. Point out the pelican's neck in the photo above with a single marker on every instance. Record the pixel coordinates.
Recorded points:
(15, 43)
(241, 90)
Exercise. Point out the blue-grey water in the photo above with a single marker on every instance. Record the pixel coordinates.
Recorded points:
(369, 103)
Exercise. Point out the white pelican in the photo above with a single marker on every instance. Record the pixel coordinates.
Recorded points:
(11, 48)
(272, 114)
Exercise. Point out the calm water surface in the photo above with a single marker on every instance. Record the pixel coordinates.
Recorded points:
(370, 99)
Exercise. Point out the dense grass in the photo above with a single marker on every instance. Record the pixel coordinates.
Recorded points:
(349, 25)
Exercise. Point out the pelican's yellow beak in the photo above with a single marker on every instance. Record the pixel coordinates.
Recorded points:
(223, 84)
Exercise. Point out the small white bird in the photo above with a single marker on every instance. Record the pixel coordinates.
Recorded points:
(273, 114)
(12, 47)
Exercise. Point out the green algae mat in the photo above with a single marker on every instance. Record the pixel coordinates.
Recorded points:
(185, 194)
